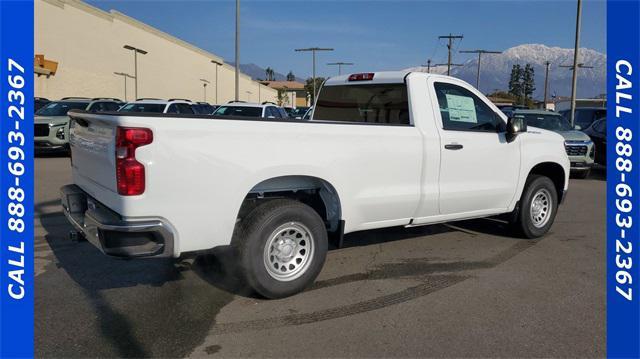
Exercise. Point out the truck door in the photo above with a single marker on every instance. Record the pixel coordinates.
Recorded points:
(479, 169)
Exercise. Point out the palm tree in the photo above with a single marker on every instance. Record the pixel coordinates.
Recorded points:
(270, 73)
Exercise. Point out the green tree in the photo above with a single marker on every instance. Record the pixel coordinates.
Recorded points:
(291, 76)
(515, 82)
(308, 86)
(528, 82)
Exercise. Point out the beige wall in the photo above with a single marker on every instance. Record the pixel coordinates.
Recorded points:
(88, 44)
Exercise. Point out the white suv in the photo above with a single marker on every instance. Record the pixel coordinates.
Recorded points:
(245, 109)
(154, 105)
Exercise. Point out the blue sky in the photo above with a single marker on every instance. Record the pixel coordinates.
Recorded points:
(375, 35)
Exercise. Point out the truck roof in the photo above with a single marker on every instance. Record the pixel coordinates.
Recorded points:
(160, 101)
(243, 104)
(380, 77)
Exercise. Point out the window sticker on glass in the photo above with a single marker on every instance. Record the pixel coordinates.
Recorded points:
(461, 109)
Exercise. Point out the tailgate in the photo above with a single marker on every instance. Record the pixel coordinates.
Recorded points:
(92, 140)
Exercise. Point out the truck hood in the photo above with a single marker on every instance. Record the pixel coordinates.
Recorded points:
(51, 120)
(574, 135)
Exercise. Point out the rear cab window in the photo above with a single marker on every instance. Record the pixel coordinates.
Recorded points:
(385, 104)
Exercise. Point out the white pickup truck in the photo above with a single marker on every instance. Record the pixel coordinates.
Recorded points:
(383, 149)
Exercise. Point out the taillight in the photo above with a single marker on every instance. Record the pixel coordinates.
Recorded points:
(362, 77)
(130, 177)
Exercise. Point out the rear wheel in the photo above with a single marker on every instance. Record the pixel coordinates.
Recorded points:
(538, 207)
(283, 245)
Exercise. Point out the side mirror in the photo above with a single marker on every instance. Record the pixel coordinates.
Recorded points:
(515, 126)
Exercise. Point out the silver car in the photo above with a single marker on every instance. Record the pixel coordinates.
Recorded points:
(578, 145)
(51, 123)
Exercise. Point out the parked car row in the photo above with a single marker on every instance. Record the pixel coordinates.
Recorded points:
(51, 123)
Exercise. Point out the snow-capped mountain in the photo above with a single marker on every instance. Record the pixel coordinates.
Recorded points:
(496, 69)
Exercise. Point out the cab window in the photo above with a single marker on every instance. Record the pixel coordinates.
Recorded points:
(461, 110)
(382, 104)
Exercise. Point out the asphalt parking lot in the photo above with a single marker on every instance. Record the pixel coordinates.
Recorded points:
(467, 289)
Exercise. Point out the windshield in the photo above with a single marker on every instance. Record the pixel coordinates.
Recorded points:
(60, 108)
(143, 107)
(299, 111)
(239, 111)
(551, 122)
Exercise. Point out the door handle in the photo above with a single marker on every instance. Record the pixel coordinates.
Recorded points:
(453, 146)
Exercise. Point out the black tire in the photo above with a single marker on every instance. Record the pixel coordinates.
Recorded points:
(525, 223)
(581, 174)
(259, 227)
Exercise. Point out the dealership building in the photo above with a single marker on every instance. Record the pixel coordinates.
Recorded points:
(84, 51)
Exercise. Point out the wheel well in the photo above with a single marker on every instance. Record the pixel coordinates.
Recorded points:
(312, 191)
(553, 171)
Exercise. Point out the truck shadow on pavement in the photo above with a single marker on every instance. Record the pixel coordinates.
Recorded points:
(117, 308)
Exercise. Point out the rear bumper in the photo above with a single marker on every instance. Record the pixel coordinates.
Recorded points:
(110, 233)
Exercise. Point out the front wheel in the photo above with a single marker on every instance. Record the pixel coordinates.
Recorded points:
(283, 245)
(538, 207)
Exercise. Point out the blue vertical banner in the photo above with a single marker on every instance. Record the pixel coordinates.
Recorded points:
(623, 179)
(16, 190)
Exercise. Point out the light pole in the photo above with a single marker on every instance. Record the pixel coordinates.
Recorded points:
(450, 38)
(546, 82)
(124, 76)
(313, 51)
(340, 64)
(573, 86)
(136, 51)
(574, 79)
(428, 65)
(479, 52)
(218, 64)
(237, 50)
(204, 86)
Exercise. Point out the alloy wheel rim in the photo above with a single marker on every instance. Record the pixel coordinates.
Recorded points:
(288, 252)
